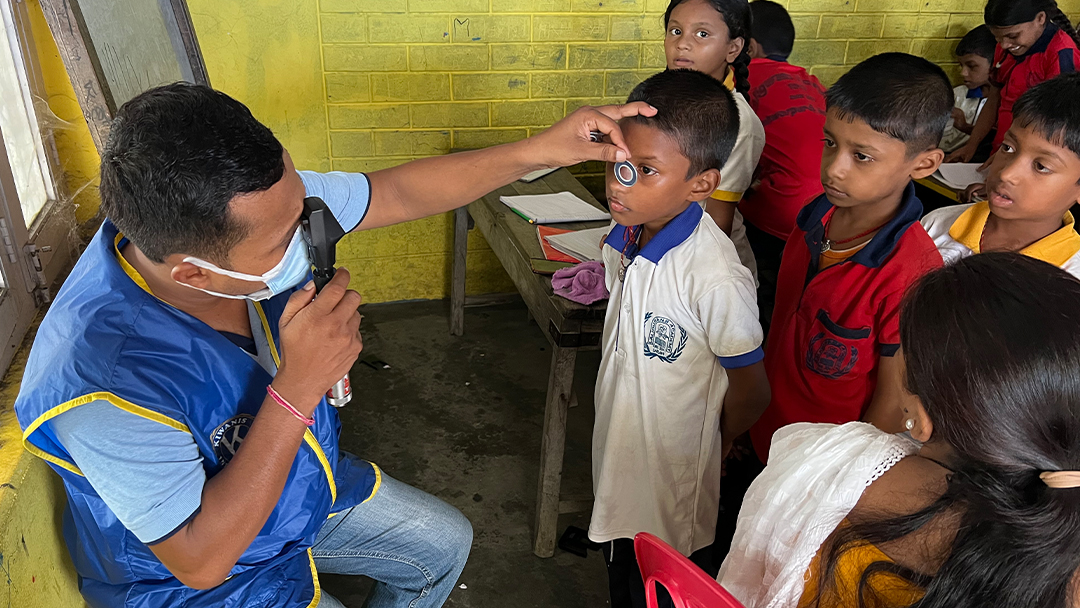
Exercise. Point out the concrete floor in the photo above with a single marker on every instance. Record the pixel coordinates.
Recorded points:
(461, 418)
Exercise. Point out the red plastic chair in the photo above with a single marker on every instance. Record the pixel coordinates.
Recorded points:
(688, 585)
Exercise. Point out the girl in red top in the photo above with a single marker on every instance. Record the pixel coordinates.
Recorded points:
(1036, 42)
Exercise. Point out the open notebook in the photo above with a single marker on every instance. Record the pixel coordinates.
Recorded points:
(556, 208)
(959, 176)
(581, 244)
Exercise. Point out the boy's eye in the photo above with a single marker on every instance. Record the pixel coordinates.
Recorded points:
(862, 158)
(674, 31)
(1041, 168)
(1006, 148)
(647, 170)
(702, 34)
(829, 143)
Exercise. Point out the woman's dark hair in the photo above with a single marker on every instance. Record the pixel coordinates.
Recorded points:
(176, 155)
(1007, 13)
(737, 17)
(992, 352)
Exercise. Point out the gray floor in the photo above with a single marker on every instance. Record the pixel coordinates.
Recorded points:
(460, 417)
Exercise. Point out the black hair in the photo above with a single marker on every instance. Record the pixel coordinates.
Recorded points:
(979, 41)
(991, 352)
(736, 14)
(1050, 108)
(773, 28)
(696, 110)
(903, 96)
(1006, 13)
(176, 155)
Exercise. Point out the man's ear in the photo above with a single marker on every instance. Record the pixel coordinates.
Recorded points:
(735, 46)
(927, 162)
(704, 184)
(190, 274)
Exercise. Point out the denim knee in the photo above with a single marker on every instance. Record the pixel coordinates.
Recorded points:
(458, 536)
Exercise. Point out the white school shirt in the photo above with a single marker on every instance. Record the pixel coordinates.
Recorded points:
(737, 174)
(971, 107)
(957, 230)
(684, 310)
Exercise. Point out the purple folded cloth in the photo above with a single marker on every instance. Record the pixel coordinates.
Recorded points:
(582, 283)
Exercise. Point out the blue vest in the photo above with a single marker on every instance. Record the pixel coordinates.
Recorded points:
(107, 338)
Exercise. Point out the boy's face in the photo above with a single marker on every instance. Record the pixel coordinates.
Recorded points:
(1031, 178)
(1017, 39)
(975, 70)
(662, 190)
(698, 39)
(861, 166)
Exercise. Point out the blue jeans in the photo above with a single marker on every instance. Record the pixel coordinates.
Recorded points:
(412, 544)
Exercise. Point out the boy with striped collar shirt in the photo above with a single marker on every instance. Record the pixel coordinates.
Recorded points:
(855, 250)
(1034, 180)
(681, 374)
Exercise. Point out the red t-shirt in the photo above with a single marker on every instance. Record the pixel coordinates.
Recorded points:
(830, 326)
(1053, 54)
(791, 106)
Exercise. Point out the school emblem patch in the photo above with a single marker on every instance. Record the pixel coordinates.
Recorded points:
(829, 357)
(227, 438)
(664, 338)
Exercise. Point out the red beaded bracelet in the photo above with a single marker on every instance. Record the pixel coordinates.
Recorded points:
(285, 404)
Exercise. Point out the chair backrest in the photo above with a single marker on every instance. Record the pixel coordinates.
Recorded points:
(688, 585)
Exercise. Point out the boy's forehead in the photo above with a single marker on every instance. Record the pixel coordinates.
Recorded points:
(649, 141)
(974, 57)
(857, 132)
(1037, 142)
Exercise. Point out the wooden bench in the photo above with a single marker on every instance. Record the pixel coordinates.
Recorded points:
(568, 326)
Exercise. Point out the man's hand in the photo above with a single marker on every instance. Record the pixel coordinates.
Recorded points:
(320, 341)
(567, 142)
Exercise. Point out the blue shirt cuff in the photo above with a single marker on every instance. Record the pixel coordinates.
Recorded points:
(745, 360)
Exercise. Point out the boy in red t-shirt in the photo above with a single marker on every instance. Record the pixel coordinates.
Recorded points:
(791, 106)
(831, 354)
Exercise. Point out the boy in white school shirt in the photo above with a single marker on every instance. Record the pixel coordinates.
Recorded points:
(681, 374)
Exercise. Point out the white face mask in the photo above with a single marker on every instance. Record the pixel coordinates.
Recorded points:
(288, 273)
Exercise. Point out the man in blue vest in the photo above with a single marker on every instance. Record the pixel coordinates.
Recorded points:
(177, 382)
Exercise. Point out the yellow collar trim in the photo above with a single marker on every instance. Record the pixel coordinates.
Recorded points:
(729, 80)
(128, 268)
(1056, 248)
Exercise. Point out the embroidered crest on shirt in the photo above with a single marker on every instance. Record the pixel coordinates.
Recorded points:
(227, 438)
(830, 357)
(664, 338)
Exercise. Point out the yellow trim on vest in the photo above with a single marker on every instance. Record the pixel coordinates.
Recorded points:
(727, 197)
(116, 401)
(314, 579)
(269, 336)
(313, 443)
(378, 482)
(729, 80)
(128, 268)
(1056, 248)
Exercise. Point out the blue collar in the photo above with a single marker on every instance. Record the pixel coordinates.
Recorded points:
(874, 254)
(777, 57)
(670, 236)
(975, 93)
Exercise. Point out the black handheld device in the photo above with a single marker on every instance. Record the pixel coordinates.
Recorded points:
(321, 233)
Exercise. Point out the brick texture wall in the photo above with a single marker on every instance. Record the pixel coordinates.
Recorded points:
(403, 79)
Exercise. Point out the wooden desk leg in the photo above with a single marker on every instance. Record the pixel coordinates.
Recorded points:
(457, 281)
(560, 383)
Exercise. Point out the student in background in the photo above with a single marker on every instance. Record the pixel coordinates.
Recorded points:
(712, 36)
(855, 251)
(1036, 42)
(791, 106)
(975, 53)
(1034, 180)
(985, 511)
(681, 373)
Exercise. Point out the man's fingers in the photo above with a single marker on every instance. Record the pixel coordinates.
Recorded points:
(333, 292)
(614, 152)
(297, 302)
(637, 108)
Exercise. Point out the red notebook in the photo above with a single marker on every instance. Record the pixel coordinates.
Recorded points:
(550, 252)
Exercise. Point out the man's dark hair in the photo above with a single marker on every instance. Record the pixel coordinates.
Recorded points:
(773, 28)
(979, 41)
(903, 96)
(697, 111)
(176, 156)
(1050, 109)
